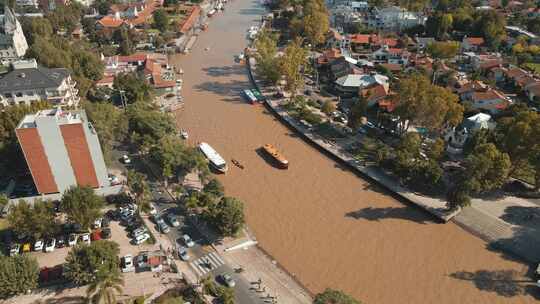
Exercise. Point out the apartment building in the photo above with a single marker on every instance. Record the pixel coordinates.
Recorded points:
(61, 149)
(28, 82)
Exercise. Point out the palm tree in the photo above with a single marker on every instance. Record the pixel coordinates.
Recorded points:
(104, 289)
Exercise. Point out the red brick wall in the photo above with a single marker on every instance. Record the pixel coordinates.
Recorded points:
(37, 160)
(79, 155)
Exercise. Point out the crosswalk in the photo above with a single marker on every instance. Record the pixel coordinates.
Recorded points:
(206, 263)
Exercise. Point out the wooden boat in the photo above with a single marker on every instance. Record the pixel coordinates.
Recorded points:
(237, 163)
(276, 155)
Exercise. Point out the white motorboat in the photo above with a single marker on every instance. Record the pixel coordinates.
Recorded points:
(184, 134)
(216, 161)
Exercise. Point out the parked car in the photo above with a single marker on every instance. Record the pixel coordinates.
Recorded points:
(227, 279)
(38, 245)
(14, 249)
(105, 222)
(61, 241)
(173, 220)
(183, 254)
(187, 240)
(97, 223)
(162, 226)
(126, 159)
(50, 244)
(106, 233)
(85, 237)
(127, 263)
(72, 239)
(141, 230)
(141, 239)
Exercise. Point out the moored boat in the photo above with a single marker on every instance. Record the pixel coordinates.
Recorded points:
(216, 161)
(250, 96)
(276, 155)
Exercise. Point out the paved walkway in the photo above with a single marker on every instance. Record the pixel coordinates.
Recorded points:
(257, 266)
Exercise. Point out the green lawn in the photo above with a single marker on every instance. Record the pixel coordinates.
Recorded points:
(535, 67)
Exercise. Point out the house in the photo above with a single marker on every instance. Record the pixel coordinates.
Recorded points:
(514, 73)
(496, 73)
(472, 44)
(154, 67)
(328, 56)
(129, 14)
(360, 42)
(334, 39)
(342, 67)
(13, 44)
(423, 42)
(27, 82)
(532, 91)
(360, 6)
(374, 93)
(391, 55)
(491, 100)
(351, 85)
(187, 24)
(456, 137)
(394, 18)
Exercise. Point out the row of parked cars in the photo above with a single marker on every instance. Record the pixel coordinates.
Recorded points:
(102, 231)
(127, 215)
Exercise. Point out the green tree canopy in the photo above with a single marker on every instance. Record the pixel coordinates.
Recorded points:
(135, 88)
(267, 62)
(443, 49)
(91, 263)
(36, 220)
(227, 216)
(331, 296)
(291, 64)
(18, 274)
(487, 168)
(82, 205)
(422, 104)
(214, 187)
(103, 290)
(161, 20)
(137, 183)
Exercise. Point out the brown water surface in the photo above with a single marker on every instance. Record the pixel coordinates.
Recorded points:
(324, 224)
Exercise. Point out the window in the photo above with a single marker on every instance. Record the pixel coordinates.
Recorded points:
(19, 94)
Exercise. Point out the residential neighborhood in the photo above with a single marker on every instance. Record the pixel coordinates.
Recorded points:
(234, 151)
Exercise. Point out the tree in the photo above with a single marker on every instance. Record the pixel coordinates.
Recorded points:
(423, 104)
(358, 110)
(267, 62)
(291, 63)
(137, 184)
(161, 20)
(443, 49)
(227, 216)
(134, 87)
(103, 290)
(436, 149)
(36, 220)
(214, 187)
(487, 168)
(92, 263)
(316, 23)
(18, 275)
(331, 296)
(110, 122)
(82, 205)
(172, 157)
(490, 25)
(458, 195)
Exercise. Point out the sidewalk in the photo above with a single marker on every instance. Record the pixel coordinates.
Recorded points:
(257, 265)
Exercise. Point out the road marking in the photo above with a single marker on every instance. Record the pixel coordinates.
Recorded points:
(200, 264)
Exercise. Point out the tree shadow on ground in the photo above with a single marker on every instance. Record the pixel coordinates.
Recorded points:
(64, 300)
(525, 240)
(230, 91)
(225, 71)
(506, 283)
(377, 214)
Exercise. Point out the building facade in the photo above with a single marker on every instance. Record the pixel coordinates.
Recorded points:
(28, 83)
(13, 44)
(62, 150)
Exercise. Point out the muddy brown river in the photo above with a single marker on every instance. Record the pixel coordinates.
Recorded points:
(324, 224)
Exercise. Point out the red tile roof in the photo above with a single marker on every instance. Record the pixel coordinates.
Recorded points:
(360, 38)
(187, 24)
(475, 40)
(110, 21)
(375, 92)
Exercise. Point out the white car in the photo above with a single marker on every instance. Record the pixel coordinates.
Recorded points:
(141, 239)
(228, 280)
(126, 159)
(173, 220)
(50, 245)
(153, 210)
(38, 245)
(72, 240)
(127, 263)
(85, 238)
(97, 223)
(187, 240)
(183, 254)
